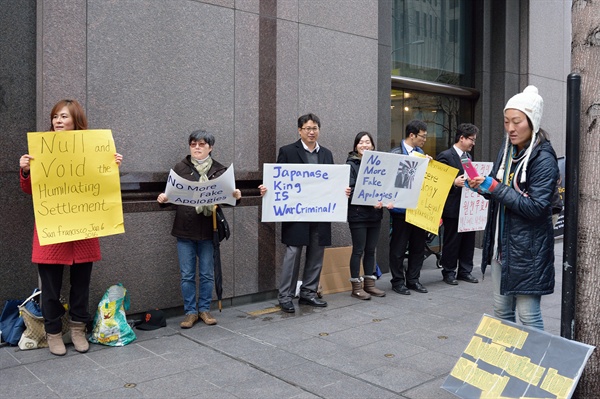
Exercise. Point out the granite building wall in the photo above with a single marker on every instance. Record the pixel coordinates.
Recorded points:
(154, 71)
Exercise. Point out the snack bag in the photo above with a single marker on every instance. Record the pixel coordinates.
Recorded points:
(110, 323)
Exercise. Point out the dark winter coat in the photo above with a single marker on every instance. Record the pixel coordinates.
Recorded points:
(298, 233)
(188, 223)
(452, 205)
(527, 235)
(359, 213)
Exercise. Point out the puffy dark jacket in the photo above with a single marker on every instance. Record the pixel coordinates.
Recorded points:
(359, 213)
(527, 236)
(188, 223)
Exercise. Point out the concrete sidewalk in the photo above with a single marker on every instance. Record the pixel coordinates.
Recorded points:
(392, 347)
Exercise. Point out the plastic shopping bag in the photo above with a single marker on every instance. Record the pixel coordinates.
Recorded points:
(110, 323)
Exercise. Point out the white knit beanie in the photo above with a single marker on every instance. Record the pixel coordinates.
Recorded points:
(530, 103)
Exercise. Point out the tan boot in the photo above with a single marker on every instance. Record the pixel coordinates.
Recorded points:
(56, 344)
(369, 286)
(80, 342)
(357, 290)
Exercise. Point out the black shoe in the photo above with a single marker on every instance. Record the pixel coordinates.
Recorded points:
(450, 280)
(417, 287)
(316, 302)
(468, 278)
(287, 307)
(401, 289)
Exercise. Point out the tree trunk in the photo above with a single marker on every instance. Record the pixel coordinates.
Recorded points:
(585, 60)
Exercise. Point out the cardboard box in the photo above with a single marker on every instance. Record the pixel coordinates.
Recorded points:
(335, 275)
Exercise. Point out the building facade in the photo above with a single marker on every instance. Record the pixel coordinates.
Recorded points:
(245, 70)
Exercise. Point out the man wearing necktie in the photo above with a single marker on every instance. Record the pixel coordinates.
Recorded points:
(457, 247)
(405, 235)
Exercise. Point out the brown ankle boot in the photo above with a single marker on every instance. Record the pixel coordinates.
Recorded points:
(56, 344)
(357, 290)
(78, 337)
(369, 286)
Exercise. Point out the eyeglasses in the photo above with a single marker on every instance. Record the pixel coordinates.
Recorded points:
(313, 129)
(198, 144)
(423, 136)
(471, 138)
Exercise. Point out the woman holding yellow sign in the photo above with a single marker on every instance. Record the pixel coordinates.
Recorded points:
(79, 255)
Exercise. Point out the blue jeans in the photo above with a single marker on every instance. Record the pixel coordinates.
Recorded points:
(188, 251)
(527, 306)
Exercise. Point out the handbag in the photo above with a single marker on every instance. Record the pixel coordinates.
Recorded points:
(222, 225)
(34, 335)
(11, 325)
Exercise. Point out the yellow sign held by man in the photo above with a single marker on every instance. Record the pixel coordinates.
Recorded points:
(434, 191)
(75, 185)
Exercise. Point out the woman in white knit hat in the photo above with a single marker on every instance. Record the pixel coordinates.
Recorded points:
(519, 238)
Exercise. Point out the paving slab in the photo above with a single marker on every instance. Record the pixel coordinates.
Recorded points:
(392, 347)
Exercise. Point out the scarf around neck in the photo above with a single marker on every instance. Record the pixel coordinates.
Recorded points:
(203, 168)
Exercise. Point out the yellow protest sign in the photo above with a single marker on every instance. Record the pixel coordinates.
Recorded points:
(75, 185)
(436, 186)
(506, 360)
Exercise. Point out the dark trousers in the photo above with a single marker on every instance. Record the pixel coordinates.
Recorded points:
(51, 277)
(364, 243)
(457, 250)
(405, 234)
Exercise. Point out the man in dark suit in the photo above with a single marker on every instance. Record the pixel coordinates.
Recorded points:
(403, 233)
(458, 248)
(315, 236)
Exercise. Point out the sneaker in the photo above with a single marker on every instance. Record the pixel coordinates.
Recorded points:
(189, 321)
(208, 319)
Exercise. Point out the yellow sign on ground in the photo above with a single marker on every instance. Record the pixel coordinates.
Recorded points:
(75, 185)
(434, 191)
(506, 360)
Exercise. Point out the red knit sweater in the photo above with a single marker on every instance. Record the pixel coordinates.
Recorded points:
(66, 253)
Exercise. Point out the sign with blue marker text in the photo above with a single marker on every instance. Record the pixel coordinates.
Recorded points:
(389, 178)
(180, 191)
(305, 192)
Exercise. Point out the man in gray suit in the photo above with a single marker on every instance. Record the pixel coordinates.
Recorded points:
(315, 236)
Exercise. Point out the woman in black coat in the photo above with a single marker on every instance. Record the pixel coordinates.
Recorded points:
(519, 237)
(365, 223)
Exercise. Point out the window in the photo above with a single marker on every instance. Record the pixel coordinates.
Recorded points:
(442, 113)
(431, 67)
(434, 45)
(418, 23)
(453, 31)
